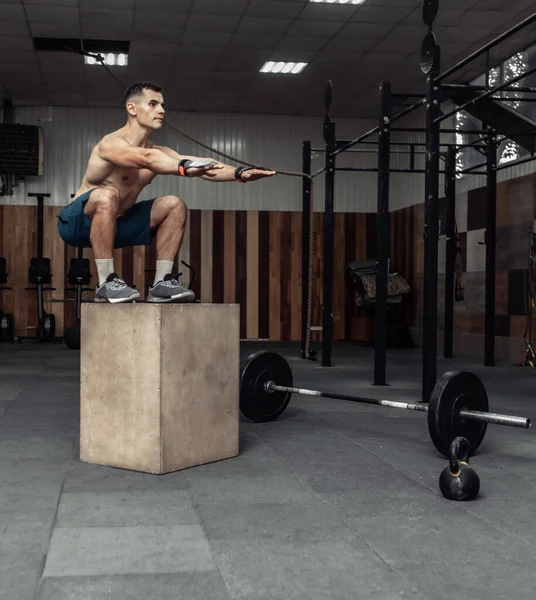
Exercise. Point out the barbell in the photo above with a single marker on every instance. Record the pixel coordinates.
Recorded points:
(458, 406)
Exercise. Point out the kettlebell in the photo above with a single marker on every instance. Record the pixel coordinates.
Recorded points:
(459, 481)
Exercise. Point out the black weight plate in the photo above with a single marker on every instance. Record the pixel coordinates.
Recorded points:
(455, 391)
(255, 402)
(49, 327)
(429, 11)
(71, 337)
(428, 53)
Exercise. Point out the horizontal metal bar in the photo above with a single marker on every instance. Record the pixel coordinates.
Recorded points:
(375, 150)
(483, 88)
(270, 386)
(417, 171)
(409, 129)
(366, 135)
(483, 132)
(487, 47)
(469, 415)
(361, 138)
(508, 99)
(484, 95)
(423, 130)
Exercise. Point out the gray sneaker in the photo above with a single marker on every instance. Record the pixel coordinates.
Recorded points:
(169, 290)
(115, 290)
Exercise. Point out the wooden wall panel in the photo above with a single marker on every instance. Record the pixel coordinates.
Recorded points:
(54, 248)
(184, 254)
(274, 296)
(18, 223)
(138, 266)
(205, 273)
(339, 279)
(352, 251)
(229, 257)
(318, 275)
(195, 250)
(218, 244)
(296, 275)
(241, 268)
(264, 274)
(251, 258)
(252, 275)
(285, 275)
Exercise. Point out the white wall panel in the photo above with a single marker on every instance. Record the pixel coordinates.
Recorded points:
(271, 141)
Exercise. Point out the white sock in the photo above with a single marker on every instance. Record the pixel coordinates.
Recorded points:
(163, 268)
(105, 266)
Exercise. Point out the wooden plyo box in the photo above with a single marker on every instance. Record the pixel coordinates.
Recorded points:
(159, 385)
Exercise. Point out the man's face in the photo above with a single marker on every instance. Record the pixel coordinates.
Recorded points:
(148, 109)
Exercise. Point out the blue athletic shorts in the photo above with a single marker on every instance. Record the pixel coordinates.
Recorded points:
(132, 229)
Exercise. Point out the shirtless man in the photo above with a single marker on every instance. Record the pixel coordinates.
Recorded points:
(105, 215)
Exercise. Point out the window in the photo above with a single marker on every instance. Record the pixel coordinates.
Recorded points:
(508, 150)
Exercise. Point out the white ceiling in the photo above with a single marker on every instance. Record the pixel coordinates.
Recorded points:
(207, 53)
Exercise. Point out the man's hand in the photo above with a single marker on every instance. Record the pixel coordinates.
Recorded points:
(198, 168)
(255, 174)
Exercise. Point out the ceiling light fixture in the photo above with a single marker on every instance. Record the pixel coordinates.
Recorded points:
(339, 1)
(110, 59)
(291, 68)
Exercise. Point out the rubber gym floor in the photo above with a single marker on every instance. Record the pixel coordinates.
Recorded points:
(334, 501)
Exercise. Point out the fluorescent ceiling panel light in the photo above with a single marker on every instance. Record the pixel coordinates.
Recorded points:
(286, 68)
(110, 58)
(339, 1)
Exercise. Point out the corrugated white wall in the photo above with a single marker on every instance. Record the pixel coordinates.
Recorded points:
(475, 181)
(273, 141)
(407, 189)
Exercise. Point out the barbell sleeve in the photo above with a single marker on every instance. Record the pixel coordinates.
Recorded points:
(495, 419)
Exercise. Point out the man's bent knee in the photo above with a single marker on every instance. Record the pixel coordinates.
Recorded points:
(174, 203)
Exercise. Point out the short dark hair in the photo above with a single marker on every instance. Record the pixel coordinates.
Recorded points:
(137, 89)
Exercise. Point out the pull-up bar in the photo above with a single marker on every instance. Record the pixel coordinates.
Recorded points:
(483, 88)
(366, 135)
(418, 171)
(487, 47)
(373, 151)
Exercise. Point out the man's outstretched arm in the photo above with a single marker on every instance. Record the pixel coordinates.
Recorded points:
(121, 153)
(221, 172)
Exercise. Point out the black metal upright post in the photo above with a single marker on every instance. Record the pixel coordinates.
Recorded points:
(40, 225)
(450, 195)
(305, 241)
(329, 231)
(382, 274)
(431, 231)
(40, 220)
(491, 240)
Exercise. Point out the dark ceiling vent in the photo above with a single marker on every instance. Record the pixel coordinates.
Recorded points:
(70, 44)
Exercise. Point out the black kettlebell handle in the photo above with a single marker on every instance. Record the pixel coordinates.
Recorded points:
(459, 453)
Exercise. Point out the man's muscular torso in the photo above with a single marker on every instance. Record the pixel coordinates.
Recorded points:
(129, 182)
